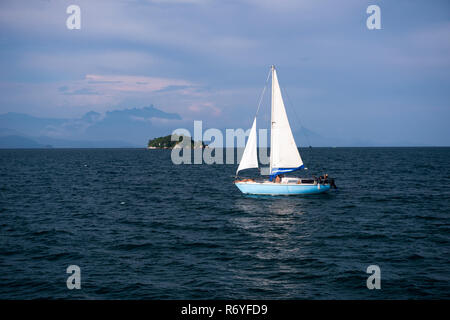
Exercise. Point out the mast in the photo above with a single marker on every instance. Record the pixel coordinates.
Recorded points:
(271, 121)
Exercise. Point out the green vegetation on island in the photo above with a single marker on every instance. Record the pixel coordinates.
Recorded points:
(175, 141)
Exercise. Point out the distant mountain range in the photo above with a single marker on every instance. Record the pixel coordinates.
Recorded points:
(306, 137)
(125, 128)
(114, 129)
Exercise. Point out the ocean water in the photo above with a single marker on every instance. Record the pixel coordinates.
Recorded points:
(140, 227)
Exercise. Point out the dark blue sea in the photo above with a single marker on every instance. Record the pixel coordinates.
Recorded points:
(140, 227)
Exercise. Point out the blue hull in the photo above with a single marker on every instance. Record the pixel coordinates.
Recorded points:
(281, 189)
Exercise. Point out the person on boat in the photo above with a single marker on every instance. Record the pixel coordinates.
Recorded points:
(332, 184)
(278, 178)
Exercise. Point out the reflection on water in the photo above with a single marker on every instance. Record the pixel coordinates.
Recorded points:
(278, 227)
(278, 205)
(268, 217)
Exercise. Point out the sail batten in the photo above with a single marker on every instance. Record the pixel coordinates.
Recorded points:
(284, 155)
(250, 156)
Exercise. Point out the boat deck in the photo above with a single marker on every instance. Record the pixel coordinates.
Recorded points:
(269, 188)
(284, 181)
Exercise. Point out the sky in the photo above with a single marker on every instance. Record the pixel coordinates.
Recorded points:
(208, 60)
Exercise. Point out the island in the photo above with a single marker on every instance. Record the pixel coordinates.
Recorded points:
(181, 141)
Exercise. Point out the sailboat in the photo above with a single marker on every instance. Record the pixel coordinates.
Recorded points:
(284, 156)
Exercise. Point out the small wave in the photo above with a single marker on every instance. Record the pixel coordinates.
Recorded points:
(415, 256)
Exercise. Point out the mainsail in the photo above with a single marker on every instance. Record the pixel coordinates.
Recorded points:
(250, 156)
(284, 155)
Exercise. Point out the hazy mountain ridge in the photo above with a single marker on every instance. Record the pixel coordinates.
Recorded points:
(116, 128)
(126, 128)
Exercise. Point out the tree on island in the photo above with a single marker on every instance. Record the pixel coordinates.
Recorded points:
(180, 141)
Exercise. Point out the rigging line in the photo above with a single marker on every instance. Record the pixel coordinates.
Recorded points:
(261, 98)
(295, 113)
(302, 128)
(262, 94)
(259, 105)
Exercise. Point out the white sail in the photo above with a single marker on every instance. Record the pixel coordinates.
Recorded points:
(284, 155)
(250, 157)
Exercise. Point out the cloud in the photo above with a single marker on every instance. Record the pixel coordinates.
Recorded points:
(133, 83)
(81, 91)
(101, 93)
(83, 61)
(205, 108)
